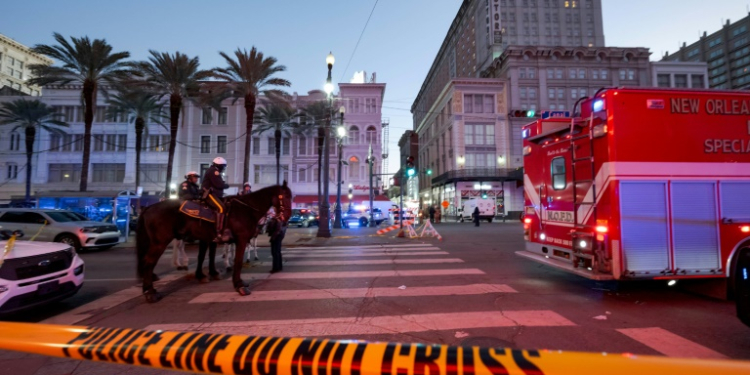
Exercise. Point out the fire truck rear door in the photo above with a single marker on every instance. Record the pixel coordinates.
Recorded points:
(644, 223)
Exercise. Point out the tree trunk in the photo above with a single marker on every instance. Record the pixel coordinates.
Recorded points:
(175, 104)
(320, 165)
(30, 136)
(140, 125)
(249, 113)
(277, 140)
(89, 89)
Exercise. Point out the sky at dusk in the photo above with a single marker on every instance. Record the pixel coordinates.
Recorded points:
(399, 43)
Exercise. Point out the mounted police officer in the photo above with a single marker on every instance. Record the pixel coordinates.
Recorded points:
(189, 189)
(213, 189)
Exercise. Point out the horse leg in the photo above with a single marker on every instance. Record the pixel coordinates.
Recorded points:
(149, 263)
(215, 275)
(199, 275)
(240, 286)
(228, 252)
(254, 244)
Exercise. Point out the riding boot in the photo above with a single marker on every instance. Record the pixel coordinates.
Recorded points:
(219, 228)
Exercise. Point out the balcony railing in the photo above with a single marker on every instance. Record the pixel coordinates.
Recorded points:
(471, 174)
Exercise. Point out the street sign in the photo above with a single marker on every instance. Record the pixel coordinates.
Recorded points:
(445, 204)
(551, 114)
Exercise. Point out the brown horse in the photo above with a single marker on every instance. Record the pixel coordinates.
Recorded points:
(162, 222)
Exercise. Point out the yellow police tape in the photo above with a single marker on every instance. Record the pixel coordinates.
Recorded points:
(235, 354)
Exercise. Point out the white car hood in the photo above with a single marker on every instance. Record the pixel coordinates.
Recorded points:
(27, 248)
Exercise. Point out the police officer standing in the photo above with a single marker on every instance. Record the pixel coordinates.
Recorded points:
(245, 189)
(213, 186)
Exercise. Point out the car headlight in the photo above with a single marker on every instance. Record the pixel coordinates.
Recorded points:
(89, 229)
(311, 217)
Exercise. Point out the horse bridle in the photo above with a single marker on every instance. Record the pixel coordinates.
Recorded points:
(279, 214)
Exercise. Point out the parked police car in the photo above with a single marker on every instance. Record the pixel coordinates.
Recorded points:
(36, 273)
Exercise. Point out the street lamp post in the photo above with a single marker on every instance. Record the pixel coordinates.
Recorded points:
(324, 225)
(341, 133)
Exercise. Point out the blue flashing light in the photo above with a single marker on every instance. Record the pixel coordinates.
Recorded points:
(598, 105)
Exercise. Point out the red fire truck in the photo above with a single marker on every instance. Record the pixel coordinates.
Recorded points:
(642, 184)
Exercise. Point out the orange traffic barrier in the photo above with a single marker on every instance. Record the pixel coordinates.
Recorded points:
(236, 354)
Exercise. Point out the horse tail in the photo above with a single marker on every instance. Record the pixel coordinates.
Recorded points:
(142, 242)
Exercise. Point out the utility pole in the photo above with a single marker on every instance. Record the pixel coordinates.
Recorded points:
(372, 209)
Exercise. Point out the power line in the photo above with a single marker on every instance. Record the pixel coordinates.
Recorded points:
(358, 40)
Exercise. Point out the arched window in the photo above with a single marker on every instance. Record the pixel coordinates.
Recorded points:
(353, 167)
(353, 135)
(12, 171)
(371, 135)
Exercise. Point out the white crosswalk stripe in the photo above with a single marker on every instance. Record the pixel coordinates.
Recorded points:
(360, 251)
(337, 255)
(355, 274)
(384, 246)
(371, 262)
(377, 324)
(309, 294)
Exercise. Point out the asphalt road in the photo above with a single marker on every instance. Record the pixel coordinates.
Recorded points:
(469, 289)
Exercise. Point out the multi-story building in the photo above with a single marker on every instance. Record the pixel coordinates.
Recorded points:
(15, 59)
(204, 134)
(462, 119)
(727, 53)
(679, 74)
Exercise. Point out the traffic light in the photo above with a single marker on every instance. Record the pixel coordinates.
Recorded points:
(410, 170)
(522, 113)
(428, 172)
(484, 195)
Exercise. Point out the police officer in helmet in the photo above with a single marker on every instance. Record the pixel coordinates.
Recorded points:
(213, 186)
(189, 189)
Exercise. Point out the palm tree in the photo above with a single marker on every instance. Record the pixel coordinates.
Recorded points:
(276, 116)
(91, 64)
(30, 115)
(249, 75)
(140, 107)
(318, 112)
(176, 76)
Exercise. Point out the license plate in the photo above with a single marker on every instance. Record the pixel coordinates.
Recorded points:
(48, 288)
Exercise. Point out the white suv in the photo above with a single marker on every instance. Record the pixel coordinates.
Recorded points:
(60, 226)
(37, 273)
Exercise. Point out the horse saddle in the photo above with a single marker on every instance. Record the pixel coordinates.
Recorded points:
(196, 210)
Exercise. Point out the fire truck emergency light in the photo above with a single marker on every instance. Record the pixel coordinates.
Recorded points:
(598, 105)
(745, 229)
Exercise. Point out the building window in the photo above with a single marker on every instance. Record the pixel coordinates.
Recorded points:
(631, 74)
(604, 74)
(680, 80)
(572, 74)
(98, 142)
(302, 145)
(15, 141)
(302, 175)
(108, 172)
(111, 142)
(223, 116)
(205, 144)
(558, 73)
(285, 146)
(581, 73)
(478, 103)
(271, 146)
(122, 142)
(558, 173)
(532, 72)
(480, 159)
(662, 80)
(371, 135)
(714, 42)
(12, 172)
(354, 167)
(256, 146)
(353, 135)
(479, 134)
(54, 142)
(64, 172)
(594, 74)
(77, 144)
(156, 173)
(550, 73)
(221, 144)
(697, 81)
(206, 116)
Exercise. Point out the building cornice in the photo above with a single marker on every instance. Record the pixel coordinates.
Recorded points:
(10, 42)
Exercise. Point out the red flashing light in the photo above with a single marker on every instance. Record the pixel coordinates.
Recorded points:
(602, 229)
(527, 220)
(745, 229)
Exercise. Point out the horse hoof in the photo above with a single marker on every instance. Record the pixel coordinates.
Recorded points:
(216, 277)
(256, 258)
(244, 291)
(152, 297)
